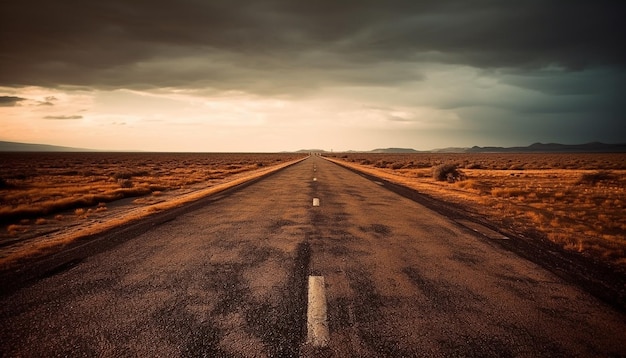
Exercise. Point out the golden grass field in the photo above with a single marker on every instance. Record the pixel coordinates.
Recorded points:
(49, 199)
(574, 200)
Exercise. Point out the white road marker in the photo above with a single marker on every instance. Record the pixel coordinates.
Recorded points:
(317, 322)
(314, 179)
(316, 202)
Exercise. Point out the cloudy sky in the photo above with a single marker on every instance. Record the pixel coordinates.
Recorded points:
(273, 75)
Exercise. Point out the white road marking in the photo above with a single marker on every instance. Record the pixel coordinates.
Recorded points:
(379, 183)
(316, 202)
(317, 322)
(314, 179)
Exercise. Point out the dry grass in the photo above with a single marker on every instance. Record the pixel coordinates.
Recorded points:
(575, 200)
(49, 199)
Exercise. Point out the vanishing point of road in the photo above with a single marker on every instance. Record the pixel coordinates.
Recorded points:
(230, 279)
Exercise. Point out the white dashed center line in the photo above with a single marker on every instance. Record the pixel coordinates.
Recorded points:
(317, 323)
(316, 202)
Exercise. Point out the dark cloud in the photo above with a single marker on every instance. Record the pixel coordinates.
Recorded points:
(10, 101)
(48, 101)
(556, 82)
(553, 60)
(243, 43)
(63, 117)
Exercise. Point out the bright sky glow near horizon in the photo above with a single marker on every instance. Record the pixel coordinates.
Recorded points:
(281, 75)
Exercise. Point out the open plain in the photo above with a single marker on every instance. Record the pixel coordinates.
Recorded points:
(576, 200)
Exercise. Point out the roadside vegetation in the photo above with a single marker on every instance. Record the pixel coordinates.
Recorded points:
(42, 194)
(575, 200)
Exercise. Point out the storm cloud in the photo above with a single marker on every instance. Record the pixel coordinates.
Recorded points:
(553, 56)
(227, 43)
(9, 101)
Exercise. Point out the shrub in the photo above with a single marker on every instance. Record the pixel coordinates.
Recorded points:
(595, 177)
(474, 166)
(381, 164)
(128, 175)
(447, 172)
(123, 175)
(5, 184)
(15, 229)
(125, 183)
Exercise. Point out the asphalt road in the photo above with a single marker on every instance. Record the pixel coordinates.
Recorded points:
(229, 279)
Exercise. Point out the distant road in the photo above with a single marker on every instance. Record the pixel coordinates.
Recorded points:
(229, 279)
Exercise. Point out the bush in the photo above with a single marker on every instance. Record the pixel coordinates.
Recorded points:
(125, 183)
(123, 175)
(381, 164)
(596, 177)
(129, 175)
(447, 172)
(474, 166)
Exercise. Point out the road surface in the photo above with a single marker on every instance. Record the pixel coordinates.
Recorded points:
(229, 279)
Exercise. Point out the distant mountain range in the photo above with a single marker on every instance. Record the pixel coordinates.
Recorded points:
(310, 151)
(595, 147)
(394, 150)
(30, 147)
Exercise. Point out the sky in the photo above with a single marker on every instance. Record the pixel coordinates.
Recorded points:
(282, 75)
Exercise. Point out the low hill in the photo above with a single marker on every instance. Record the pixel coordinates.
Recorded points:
(394, 150)
(311, 151)
(30, 147)
(595, 147)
